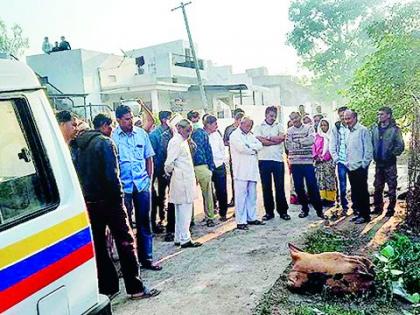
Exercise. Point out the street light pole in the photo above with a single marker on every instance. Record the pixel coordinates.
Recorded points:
(197, 68)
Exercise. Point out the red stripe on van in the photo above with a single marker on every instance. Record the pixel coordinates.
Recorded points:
(42, 278)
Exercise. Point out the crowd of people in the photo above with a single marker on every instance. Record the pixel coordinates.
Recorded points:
(48, 48)
(127, 172)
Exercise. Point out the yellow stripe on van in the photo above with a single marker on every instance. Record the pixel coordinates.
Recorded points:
(34, 243)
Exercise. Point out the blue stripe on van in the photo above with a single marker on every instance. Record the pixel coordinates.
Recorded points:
(25, 268)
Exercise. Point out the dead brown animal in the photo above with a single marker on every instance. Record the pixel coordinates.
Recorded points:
(340, 273)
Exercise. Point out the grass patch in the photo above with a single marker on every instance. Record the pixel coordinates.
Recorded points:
(324, 310)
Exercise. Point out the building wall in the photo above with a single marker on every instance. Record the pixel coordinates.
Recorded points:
(63, 69)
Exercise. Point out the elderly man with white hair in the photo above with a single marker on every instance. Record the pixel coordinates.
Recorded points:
(180, 166)
(244, 148)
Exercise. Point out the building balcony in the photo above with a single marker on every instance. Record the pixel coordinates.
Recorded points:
(186, 61)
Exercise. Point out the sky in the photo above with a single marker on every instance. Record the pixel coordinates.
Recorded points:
(242, 33)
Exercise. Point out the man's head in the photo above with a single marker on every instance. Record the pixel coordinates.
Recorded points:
(184, 128)
(301, 108)
(56, 44)
(46, 38)
(350, 118)
(384, 115)
(164, 117)
(210, 124)
(296, 119)
(307, 120)
(124, 118)
(246, 124)
(62, 38)
(341, 111)
(68, 124)
(193, 116)
(204, 117)
(103, 122)
(317, 119)
(238, 114)
(318, 109)
(270, 114)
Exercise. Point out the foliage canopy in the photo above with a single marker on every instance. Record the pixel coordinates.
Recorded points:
(13, 41)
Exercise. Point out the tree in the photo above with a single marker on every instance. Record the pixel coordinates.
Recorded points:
(390, 75)
(12, 42)
(329, 36)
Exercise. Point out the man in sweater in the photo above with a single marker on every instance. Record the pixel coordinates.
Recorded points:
(387, 145)
(358, 157)
(98, 170)
(299, 141)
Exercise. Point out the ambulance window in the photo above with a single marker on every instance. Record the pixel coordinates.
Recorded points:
(27, 187)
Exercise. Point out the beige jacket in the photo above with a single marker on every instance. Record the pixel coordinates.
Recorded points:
(179, 165)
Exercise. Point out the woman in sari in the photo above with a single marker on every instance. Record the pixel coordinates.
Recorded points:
(325, 168)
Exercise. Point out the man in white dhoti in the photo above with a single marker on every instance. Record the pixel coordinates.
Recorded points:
(179, 165)
(244, 147)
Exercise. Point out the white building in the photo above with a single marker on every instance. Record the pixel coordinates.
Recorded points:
(164, 77)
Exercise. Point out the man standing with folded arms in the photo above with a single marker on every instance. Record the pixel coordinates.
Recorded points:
(244, 148)
(271, 164)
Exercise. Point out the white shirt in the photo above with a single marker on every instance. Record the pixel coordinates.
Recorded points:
(180, 165)
(271, 152)
(244, 148)
(217, 148)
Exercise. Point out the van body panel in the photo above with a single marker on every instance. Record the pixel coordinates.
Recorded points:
(51, 251)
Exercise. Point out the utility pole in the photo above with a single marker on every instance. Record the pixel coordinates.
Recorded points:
(197, 68)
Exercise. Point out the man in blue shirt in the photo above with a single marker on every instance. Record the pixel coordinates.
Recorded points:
(204, 167)
(135, 155)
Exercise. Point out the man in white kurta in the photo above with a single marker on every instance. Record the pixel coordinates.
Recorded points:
(244, 147)
(182, 186)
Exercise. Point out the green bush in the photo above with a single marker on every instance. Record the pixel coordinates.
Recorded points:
(325, 240)
(326, 309)
(397, 267)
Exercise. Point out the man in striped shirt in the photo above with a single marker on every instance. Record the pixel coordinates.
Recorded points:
(299, 141)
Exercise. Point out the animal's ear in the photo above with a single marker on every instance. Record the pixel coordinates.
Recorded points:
(294, 251)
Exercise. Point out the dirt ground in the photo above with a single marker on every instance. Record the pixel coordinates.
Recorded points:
(231, 272)
(227, 275)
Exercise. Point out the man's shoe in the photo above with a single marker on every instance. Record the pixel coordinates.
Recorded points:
(242, 227)
(191, 244)
(267, 217)
(285, 216)
(344, 212)
(158, 229)
(355, 218)
(256, 222)
(177, 244)
(151, 266)
(361, 220)
(320, 215)
(223, 218)
(169, 237)
(113, 295)
(147, 293)
(303, 214)
(231, 204)
(210, 223)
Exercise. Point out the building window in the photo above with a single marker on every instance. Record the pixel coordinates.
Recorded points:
(27, 185)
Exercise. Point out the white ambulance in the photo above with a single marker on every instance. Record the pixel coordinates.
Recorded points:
(47, 263)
